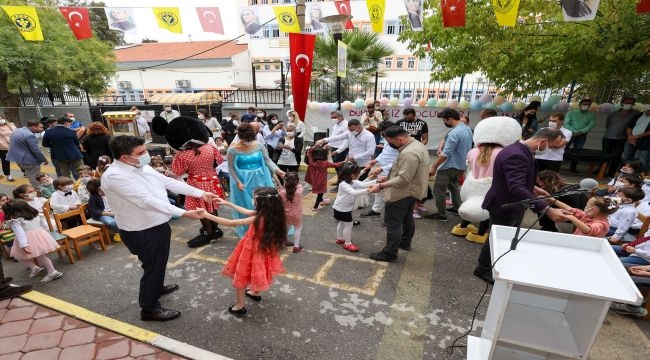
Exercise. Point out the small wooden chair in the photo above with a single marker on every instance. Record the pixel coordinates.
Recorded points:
(83, 234)
(61, 239)
(98, 224)
(6, 236)
(645, 220)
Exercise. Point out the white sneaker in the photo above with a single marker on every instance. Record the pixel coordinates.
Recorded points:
(326, 201)
(35, 271)
(421, 208)
(53, 276)
(416, 215)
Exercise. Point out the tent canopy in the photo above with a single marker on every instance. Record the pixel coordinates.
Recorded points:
(203, 98)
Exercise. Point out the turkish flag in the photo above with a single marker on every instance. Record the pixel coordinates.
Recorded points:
(343, 7)
(79, 21)
(301, 54)
(210, 18)
(643, 7)
(453, 13)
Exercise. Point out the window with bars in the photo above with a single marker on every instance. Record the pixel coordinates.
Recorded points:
(431, 94)
(454, 94)
(478, 94)
(419, 94)
(411, 63)
(467, 95)
(396, 93)
(408, 93)
(388, 63)
(390, 29)
(442, 94)
(400, 63)
(385, 93)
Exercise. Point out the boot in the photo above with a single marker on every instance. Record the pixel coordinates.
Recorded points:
(463, 231)
(200, 240)
(476, 238)
(217, 233)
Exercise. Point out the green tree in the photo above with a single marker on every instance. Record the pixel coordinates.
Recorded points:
(542, 51)
(60, 62)
(365, 52)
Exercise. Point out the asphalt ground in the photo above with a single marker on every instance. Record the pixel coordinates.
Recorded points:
(330, 303)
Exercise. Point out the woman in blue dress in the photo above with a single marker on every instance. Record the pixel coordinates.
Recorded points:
(250, 167)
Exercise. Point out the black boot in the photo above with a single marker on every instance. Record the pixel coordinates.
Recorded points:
(200, 240)
(217, 233)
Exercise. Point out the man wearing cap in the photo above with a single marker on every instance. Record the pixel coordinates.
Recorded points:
(451, 163)
(579, 122)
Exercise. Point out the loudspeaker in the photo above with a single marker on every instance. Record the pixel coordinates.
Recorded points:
(319, 135)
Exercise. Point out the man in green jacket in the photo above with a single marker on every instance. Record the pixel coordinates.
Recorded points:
(580, 122)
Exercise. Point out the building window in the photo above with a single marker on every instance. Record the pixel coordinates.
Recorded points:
(411, 63)
(390, 28)
(274, 2)
(267, 67)
(408, 93)
(467, 95)
(454, 94)
(388, 63)
(385, 94)
(478, 95)
(149, 93)
(266, 32)
(401, 29)
(400, 63)
(442, 94)
(264, 2)
(276, 32)
(420, 94)
(253, 2)
(431, 94)
(396, 93)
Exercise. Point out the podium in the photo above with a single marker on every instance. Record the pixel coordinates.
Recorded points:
(550, 296)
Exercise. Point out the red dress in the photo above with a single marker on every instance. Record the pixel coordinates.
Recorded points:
(316, 174)
(202, 174)
(250, 268)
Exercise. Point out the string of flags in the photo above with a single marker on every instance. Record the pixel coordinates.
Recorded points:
(26, 21)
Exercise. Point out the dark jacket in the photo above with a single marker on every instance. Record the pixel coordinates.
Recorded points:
(644, 142)
(513, 180)
(63, 143)
(297, 149)
(95, 206)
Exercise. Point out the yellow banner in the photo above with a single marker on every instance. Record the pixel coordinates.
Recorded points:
(341, 64)
(506, 11)
(376, 10)
(287, 18)
(168, 18)
(26, 21)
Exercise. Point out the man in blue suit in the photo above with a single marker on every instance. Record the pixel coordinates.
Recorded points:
(24, 151)
(64, 148)
(513, 181)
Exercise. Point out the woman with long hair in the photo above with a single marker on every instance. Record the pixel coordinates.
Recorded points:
(95, 144)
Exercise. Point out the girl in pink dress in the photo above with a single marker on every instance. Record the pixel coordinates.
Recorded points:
(291, 195)
(593, 220)
(31, 241)
(256, 258)
(197, 160)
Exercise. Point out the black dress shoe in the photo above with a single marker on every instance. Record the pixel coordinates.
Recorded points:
(485, 276)
(168, 289)
(7, 280)
(238, 312)
(257, 298)
(370, 214)
(356, 222)
(160, 314)
(405, 247)
(382, 256)
(218, 233)
(13, 291)
(198, 241)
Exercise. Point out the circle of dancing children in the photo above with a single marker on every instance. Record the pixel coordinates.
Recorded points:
(291, 195)
(32, 242)
(316, 174)
(349, 189)
(255, 260)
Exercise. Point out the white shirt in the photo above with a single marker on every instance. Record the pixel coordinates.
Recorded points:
(143, 126)
(556, 154)
(170, 116)
(288, 157)
(212, 124)
(362, 146)
(641, 125)
(138, 197)
(61, 203)
(622, 219)
(347, 194)
(338, 129)
(223, 167)
(272, 137)
(386, 158)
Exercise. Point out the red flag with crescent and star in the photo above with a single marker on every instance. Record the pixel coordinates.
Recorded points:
(210, 18)
(301, 53)
(453, 13)
(78, 19)
(343, 7)
(643, 7)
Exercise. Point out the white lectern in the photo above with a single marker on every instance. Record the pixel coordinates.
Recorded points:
(550, 296)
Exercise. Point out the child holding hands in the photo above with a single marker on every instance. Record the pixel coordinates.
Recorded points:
(593, 220)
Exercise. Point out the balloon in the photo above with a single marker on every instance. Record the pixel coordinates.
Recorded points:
(333, 106)
(346, 105)
(534, 98)
(506, 106)
(594, 107)
(485, 98)
(313, 105)
(476, 105)
(431, 102)
(324, 107)
(359, 103)
(562, 106)
(290, 99)
(518, 106)
(606, 108)
(498, 100)
(639, 107)
(464, 104)
(553, 99)
(547, 106)
(616, 107)
(383, 101)
(441, 103)
(422, 102)
(453, 103)
(369, 101)
(394, 102)
(408, 102)
(490, 105)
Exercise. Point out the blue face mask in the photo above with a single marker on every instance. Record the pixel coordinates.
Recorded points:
(143, 160)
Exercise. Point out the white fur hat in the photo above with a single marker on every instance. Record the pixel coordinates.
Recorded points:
(502, 130)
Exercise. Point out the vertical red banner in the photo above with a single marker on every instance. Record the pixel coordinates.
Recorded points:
(343, 7)
(301, 52)
(643, 7)
(78, 19)
(453, 13)
(210, 19)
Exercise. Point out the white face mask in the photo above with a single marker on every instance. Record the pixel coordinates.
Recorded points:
(542, 152)
(31, 195)
(584, 107)
(48, 182)
(85, 179)
(619, 185)
(274, 121)
(67, 188)
(201, 117)
(353, 132)
(159, 169)
(552, 124)
(627, 106)
(291, 118)
(290, 134)
(335, 120)
(260, 114)
(143, 160)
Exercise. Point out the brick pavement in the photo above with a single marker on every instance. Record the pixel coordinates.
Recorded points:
(30, 331)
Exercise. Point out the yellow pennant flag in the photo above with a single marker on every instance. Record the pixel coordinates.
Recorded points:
(168, 18)
(506, 11)
(376, 10)
(26, 21)
(287, 18)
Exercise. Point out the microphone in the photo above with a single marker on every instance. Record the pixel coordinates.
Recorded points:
(586, 184)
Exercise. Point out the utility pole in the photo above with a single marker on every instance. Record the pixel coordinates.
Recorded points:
(300, 12)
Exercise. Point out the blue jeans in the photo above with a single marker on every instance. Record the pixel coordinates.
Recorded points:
(110, 222)
(632, 260)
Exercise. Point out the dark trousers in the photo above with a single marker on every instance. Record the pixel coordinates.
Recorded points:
(400, 226)
(615, 147)
(6, 165)
(485, 259)
(548, 165)
(152, 248)
(578, 142)
(338, 157)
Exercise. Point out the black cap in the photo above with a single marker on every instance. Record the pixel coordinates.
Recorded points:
(449, 113)
(585, 100)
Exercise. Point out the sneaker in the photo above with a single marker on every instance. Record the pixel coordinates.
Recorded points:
(320, 207)
(417, 215)
(453, 210)
(370, 214)
(35, 272)
(10, 179)
(326, 201)
(117, 237)
(297, 249)
(340, 242)
(422, 208)
(627, 309)
(53, 276)
(437, 216)
(351, 247)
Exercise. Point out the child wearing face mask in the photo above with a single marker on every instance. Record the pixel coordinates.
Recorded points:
(47, 185)
(288, 150)
(28, 194)
(593, 220)
(99, 209)
(80, 185)
(294, 119)
(622, 220)
(64, 198)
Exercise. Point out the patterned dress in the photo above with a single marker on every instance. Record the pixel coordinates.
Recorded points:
(293, 209)
(202, 175)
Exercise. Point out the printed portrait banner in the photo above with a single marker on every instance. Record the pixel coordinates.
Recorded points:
(121, 19)
(376, 10)
(579, 10)
(210, 18)
(26, 21)
(301, 54)
(453, 13)
(506, 12)
(250, 19)
(168, 18)
(287, 18)
(415, 11)
(78, 19)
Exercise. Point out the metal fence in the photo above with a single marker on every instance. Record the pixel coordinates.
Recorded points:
(54, 98)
